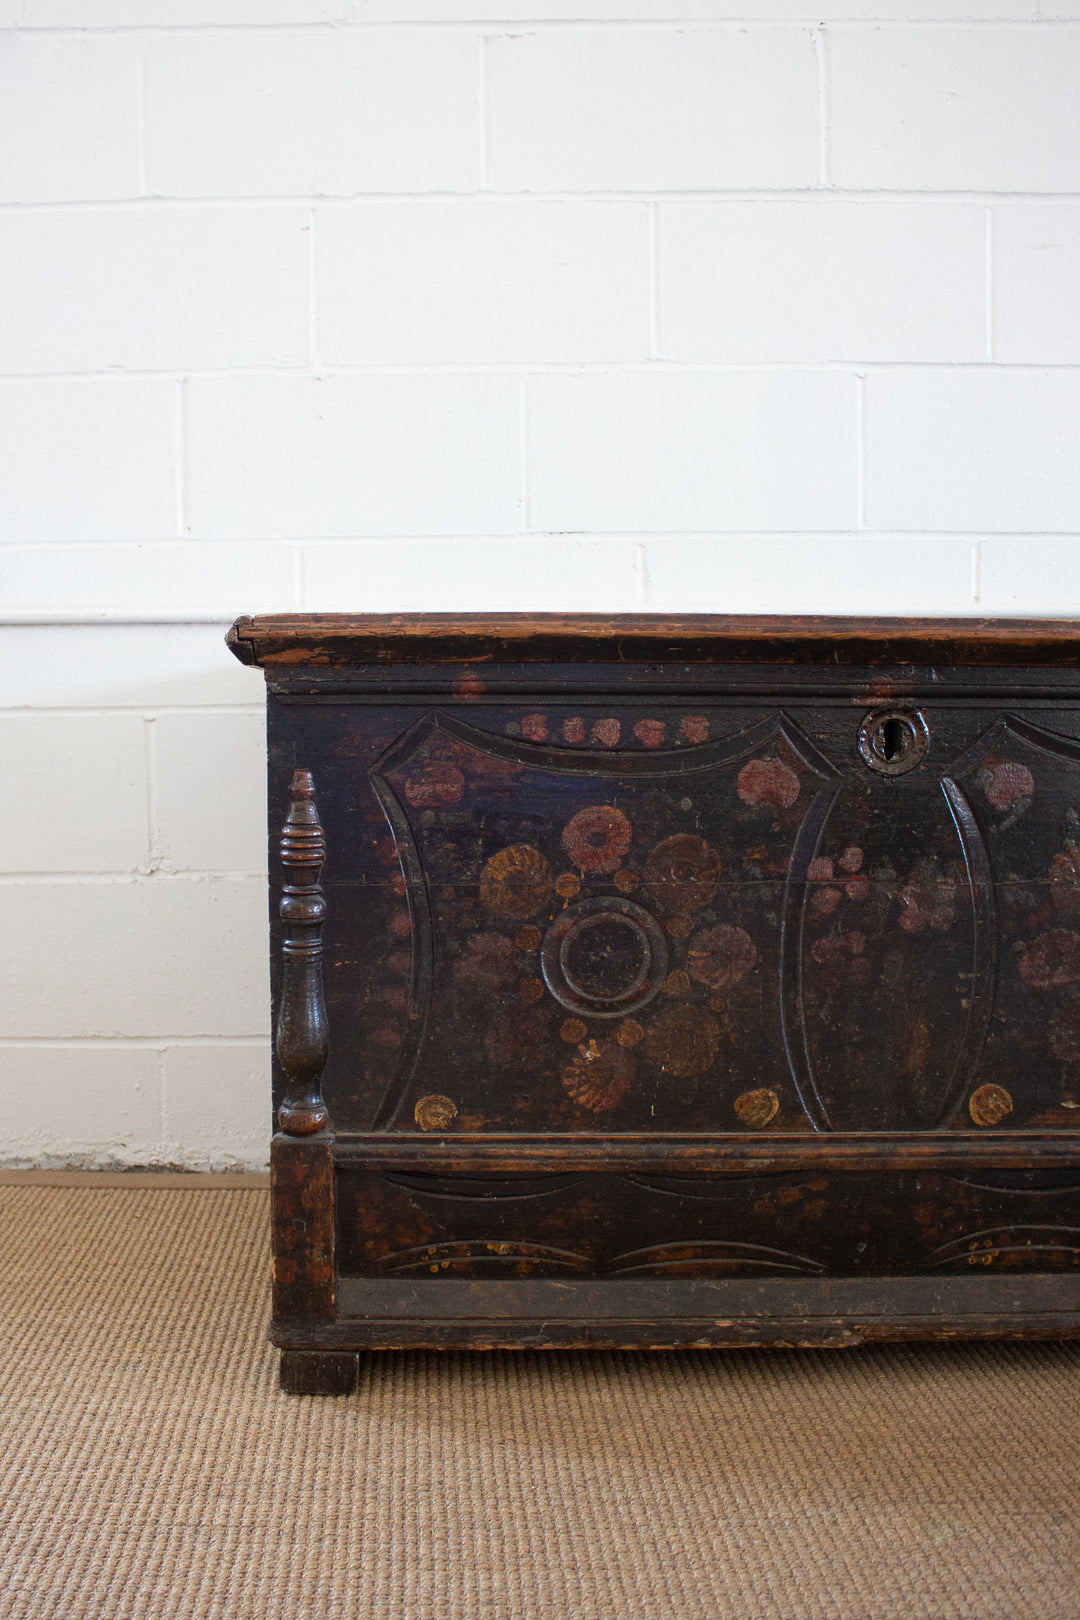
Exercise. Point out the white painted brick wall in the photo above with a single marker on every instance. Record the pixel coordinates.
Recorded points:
(422, 304)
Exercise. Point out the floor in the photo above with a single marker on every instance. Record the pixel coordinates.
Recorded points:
(151, 1468)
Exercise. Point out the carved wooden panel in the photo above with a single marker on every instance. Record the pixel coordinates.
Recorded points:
(658, 974)
(725, 920)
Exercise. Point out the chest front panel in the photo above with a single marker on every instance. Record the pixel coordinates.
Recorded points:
(626, 914)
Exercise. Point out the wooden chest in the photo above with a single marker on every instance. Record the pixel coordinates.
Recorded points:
(689, 981)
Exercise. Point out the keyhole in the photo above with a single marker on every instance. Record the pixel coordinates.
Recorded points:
(894, 742)
(895, 739)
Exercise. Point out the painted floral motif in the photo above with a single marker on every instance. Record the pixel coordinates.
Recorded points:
(682, 1040)
(1064, 1032)
(598, 1076)
(607, 732)
(650, 733)
(720, 956)
(989, 1105)
(487, 962)
(768, 782)
(435, 1113)
(928, 900)
(597, 838)
(1052, 960)
(1065, 880)
(840, 961)
(516, 882)
(1007, 784)
(756, 1108)
(682, 873)
(433, 786)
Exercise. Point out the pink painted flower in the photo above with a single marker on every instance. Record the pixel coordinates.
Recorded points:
(767, 782)
(1008, 783)
(650, 733)
(1051, 960)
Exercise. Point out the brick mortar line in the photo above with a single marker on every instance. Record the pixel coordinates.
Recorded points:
(834, 193)
(646, 366)
(102, 878)
(146, 1043)
(525, 25)
(68, 711)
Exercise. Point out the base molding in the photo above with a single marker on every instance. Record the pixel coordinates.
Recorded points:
(827, 1312)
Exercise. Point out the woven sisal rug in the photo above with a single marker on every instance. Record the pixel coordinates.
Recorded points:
(152, 1469)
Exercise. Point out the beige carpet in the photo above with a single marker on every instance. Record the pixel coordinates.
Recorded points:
(152, 1469)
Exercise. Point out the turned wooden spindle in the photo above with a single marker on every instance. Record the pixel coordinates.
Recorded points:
(301, 1027)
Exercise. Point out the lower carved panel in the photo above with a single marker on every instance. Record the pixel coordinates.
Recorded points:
(404, 1224)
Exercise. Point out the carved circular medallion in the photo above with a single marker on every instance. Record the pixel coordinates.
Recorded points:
(604, 957)
(892, 741)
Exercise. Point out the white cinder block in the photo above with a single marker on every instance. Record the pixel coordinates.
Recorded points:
(354, 455)
(217, 1101)
(794, 281)
(76, 799)
(990, 109)
(209, 798)
(160, 956)
(550, 574)
(129, 665)
(160, 576)
(449, 280)
(667, 451)
(971, 450)
(68, 119)
(842, 573)
(182, 13)
(65, 1101)
(1036, 574)
(148, 289)
(86, 460)
(76, 794)
(332, 113)
(1036, 277)
(653, 109)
